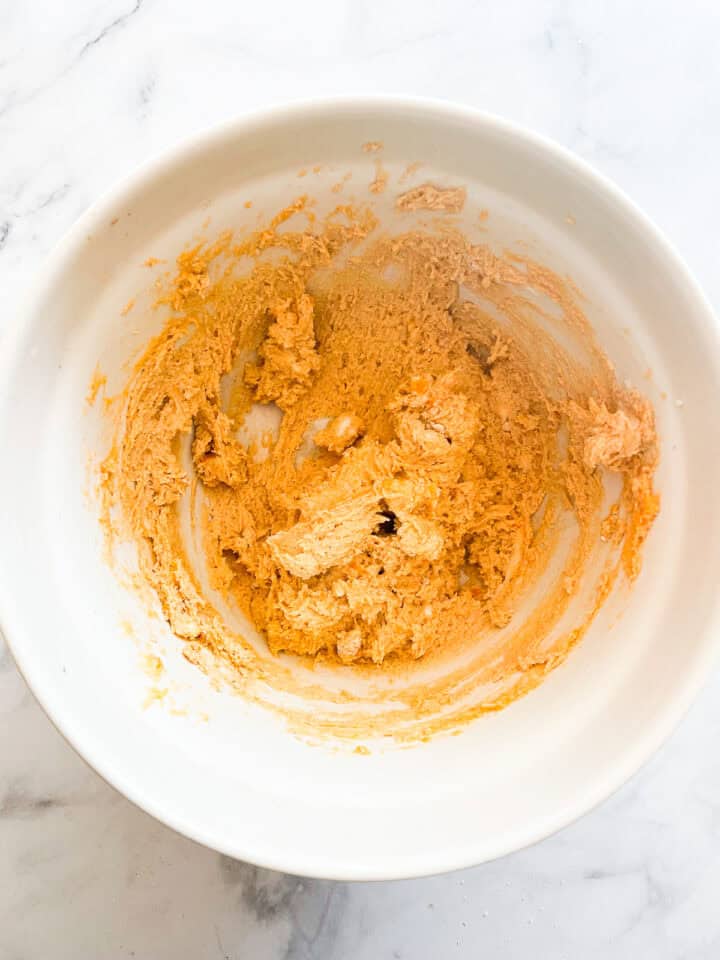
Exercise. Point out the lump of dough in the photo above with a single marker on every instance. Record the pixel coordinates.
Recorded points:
(436, 427)
(349, 645)
(217, 454)
(340, 433)
(615, 437)
(312, 546)
(418, 537)
(288, 354)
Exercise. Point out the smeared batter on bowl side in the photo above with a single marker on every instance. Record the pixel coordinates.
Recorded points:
(435, 440)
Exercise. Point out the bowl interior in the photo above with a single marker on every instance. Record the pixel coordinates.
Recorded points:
(229, 774)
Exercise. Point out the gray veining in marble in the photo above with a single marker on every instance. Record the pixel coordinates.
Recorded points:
(90, 88)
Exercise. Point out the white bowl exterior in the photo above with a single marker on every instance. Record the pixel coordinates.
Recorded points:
(237, 781)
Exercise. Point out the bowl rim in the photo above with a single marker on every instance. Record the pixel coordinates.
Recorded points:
(11, 618)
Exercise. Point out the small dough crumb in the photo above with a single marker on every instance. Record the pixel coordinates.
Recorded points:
(410, 170)
(99, 380)
(429, 197)
(380, 182)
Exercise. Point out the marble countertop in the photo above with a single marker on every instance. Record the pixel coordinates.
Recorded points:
(89, 89)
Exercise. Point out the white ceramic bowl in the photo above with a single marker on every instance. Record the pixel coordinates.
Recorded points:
(238, 781)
